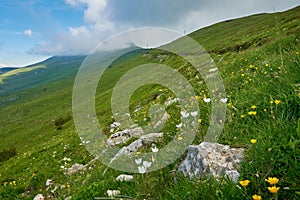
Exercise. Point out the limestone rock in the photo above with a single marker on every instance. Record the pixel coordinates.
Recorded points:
(39, 197)
(124, 177)
(212, 159)
(76, 168)
(134, 146)
(123, 136)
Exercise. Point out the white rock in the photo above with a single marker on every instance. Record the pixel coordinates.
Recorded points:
(76, 168)
(113, 193)
(39, 197)
(124, 177)
(123, 136)
(212, 159)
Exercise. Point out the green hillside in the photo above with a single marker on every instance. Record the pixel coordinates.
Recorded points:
(258, 59)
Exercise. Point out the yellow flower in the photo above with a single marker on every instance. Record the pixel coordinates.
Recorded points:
(272, 180)
(244, 183)
(197, 97)
(273, 189)
(256, 197)
(267, 65)
(251, 66)
(243, 116)
(242, 75)
(277, 102)
(253, 141)
(199, 120)
(252, 113)
(179, 138)
(253, 107)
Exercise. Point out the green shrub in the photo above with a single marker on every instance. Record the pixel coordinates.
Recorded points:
(7, 154)
(61, 121)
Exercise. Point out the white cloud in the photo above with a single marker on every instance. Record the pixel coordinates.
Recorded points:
(104, 18)
(28, 32)
(94, 13)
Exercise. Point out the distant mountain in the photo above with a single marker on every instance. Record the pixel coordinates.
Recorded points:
(50, 70)
(6, 69)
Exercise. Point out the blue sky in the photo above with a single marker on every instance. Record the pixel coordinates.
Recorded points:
(33, 30)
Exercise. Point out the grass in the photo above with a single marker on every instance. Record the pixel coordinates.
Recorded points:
(258, 59)
(18, 71)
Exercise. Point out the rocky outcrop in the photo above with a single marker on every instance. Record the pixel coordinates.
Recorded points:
(123, 136)
(212, 159)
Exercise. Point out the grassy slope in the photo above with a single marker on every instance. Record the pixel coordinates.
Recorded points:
(258, 58)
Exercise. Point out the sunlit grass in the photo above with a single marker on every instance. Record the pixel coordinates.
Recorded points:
(18, 71)
(263, 107)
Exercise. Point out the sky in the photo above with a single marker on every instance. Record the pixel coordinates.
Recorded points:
(33, 30)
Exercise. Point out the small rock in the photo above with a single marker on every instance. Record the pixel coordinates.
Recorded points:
(76, 168)
(113, 193)
(114, 126)
(123, 136)
(124, 177)
(39, 197)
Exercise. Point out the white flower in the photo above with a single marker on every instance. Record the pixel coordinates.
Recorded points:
(113, 193)
(142, 170)
(66, 159)
(124, 177)
(154, 149)
(194, 114)
(52, 191)
(138, 161)
(49, 182)
(224, 100)
(146, 164)
(206, 100)
(184, 114)
(179, 125)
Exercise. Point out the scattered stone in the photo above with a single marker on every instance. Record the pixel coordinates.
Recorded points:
(113, 193)
(124, 177)
(212, 159)
(39, 197)
(76, 168)
(114, 126)
(172, 101)
(134, 146)
(123, 136)
(159, 124)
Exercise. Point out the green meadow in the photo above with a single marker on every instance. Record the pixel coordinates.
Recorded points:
(258, 58)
